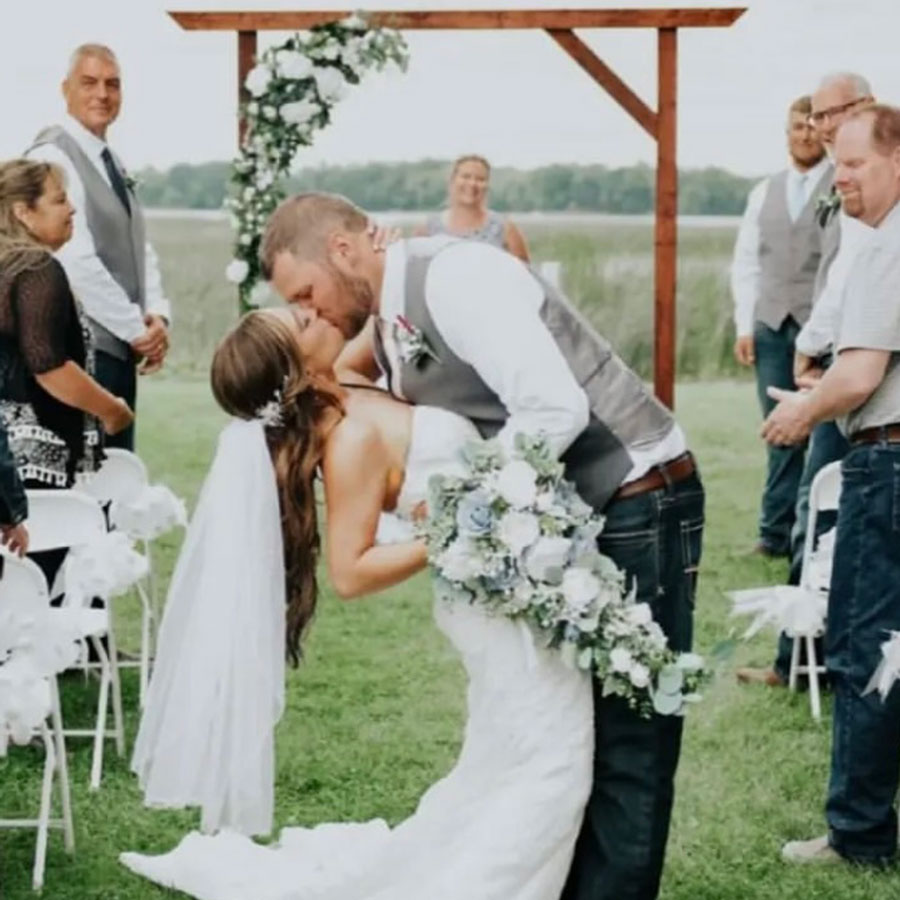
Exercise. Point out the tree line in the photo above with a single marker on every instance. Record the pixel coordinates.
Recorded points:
(422, 185)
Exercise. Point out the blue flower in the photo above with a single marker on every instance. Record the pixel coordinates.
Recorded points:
(475, 516)
(503, 578)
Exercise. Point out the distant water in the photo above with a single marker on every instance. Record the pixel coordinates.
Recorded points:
(404, 217)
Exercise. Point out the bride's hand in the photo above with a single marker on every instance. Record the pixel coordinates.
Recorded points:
(383, 235)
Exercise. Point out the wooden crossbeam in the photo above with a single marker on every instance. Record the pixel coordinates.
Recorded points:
(289, 20)
(606, 78)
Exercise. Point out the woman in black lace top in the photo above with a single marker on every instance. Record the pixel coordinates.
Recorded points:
(49, 402)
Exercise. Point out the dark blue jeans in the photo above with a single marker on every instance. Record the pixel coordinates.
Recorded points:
(656, 538)
(864, 603)
(826, 445)
(775, 367)
(119, 377)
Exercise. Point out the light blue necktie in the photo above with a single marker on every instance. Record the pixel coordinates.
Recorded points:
(796, 195)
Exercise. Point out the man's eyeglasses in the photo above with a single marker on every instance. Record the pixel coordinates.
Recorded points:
(820, 115)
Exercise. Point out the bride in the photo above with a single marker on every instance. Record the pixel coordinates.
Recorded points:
(503, 823)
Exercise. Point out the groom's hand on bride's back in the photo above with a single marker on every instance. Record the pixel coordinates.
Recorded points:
(383, 235)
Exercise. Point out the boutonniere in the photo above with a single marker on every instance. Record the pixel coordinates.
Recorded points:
(412, 345)
(826, 206)
(132, 183)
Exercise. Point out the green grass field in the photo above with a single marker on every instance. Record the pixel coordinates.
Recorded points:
(375, 713)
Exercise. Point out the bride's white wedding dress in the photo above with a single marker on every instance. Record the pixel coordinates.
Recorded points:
(500, 826)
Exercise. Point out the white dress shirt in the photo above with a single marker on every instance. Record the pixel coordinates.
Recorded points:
(745, 266)
(818, 334)
(100, 294)
(486, 305)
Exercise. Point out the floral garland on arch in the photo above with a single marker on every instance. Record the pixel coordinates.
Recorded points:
(293, 87)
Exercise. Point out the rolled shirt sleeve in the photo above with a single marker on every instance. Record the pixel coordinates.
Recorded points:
(745, 266)
(486, 305)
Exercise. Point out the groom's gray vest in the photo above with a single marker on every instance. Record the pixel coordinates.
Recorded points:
(623, 412)
(789, 253)
(118, 237)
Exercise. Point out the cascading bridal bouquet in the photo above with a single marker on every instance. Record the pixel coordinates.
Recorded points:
(513, 536)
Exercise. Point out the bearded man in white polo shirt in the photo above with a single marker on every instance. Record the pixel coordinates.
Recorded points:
(113, 271)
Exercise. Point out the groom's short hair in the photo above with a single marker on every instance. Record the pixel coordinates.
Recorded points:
(301, 225)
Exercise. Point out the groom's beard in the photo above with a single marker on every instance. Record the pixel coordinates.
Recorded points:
(360, 301)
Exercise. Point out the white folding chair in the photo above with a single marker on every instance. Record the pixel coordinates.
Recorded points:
(121, 478)
(23, 584)
(60, 519)
(824, 495)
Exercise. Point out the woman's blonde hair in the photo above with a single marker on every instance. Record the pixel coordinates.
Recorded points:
(22, 181)
(257, 361)
(469, 157)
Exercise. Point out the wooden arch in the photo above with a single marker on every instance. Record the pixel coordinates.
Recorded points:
(660, 123)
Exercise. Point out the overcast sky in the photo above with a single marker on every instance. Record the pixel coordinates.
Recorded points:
(513, 96)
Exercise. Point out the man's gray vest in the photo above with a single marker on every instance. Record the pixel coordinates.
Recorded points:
(118, 237)
(789, 254)
(831, 243)
(623, 412)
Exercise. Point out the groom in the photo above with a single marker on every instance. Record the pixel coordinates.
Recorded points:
(465, 326)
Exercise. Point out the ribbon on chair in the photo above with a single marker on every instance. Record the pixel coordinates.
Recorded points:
(106, 566)
(154, 511)
(888, 670)
(797, 611)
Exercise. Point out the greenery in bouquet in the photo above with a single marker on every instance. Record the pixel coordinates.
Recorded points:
(514, 537)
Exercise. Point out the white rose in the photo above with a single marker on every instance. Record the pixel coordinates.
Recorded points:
(330, 51)
(249, 192)
(640, 675)
(547, 553)
(620, 660)
(579, 587)
(237, 271)
(245, 240)
(299, 112)
(294, 65)
(270, 113)
(330, 83)
(258, 79)
(517, 483)
(518, 530)
(639, 614)
(252, 107)
(351, 57)
(458, 562)
(354, 21)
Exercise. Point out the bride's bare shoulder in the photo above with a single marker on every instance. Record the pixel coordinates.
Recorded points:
(354, 444)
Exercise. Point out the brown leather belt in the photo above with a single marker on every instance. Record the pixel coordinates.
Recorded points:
(888, 433)
(659, 476)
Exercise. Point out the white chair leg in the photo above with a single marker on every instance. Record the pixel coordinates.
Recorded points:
(795, 664)
(146, 637)
(152, 585)
(102, 711)
(40, 852)
(62, 764)
(118, 718)
(812, 668)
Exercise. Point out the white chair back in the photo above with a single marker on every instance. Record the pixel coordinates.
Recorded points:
(824, 495)
(62, 518)
(122, 477)
(22, 583)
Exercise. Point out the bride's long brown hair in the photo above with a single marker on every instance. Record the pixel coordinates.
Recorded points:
(257, 361)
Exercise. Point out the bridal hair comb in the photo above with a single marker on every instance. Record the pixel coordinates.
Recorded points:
(271, 413)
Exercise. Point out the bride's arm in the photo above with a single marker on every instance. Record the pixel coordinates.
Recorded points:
(355, 472)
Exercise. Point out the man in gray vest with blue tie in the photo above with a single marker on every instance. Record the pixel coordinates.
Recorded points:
(113, 271)
(514, 356)
(773, 273)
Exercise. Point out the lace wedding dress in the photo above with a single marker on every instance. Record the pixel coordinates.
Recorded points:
(500, 826)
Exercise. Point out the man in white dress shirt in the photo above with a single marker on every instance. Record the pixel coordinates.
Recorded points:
(775, 261)
(513, 356)
(838, 96)
(113, 271)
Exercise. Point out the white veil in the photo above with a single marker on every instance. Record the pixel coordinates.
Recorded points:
(207, 733)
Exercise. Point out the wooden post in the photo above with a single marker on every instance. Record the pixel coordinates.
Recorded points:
(246, 61)
(666, 220)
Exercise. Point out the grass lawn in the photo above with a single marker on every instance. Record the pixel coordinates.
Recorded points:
(375, 713)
